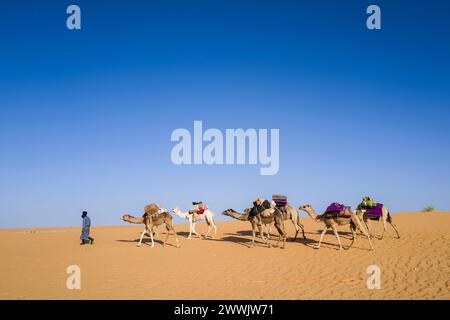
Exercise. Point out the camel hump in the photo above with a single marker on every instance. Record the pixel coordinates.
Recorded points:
(151, 208)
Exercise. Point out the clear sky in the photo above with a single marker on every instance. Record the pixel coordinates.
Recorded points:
(86, 116)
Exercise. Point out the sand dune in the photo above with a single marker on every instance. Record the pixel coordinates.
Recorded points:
(33, 264)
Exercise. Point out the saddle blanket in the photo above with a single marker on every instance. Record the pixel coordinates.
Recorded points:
(202, 208)
(280, 201)
(375, 212)
(335, 209)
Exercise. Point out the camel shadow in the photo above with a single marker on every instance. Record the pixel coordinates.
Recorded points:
(329, 245)
(243, 241)
(238, 240)
(183, 234)
(148, 242)
(290, 239)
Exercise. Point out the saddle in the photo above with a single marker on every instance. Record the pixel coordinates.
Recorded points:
(337, 209)
(374, 213)
(201, 208)
(265, 209)
(280, 201)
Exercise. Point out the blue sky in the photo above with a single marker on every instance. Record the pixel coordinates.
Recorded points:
(86, 116)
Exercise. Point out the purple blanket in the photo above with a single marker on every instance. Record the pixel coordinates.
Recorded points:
(335, 207)
(376, 211)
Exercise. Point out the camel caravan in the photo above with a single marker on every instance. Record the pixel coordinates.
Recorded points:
(264, 215)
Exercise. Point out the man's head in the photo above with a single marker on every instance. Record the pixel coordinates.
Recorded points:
(258, 202)
(84, 214)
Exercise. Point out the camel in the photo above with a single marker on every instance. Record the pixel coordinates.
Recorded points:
(276, 217)
(385, 217)
(291, 214)
(244, 217)
(150, 221)
(333, 221)
(207, 216)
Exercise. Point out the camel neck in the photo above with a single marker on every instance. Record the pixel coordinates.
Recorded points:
(180, 214)
(236, 215)
(312, 214)
(135, 220)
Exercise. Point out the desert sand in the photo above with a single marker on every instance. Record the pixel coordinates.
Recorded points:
(34, 261)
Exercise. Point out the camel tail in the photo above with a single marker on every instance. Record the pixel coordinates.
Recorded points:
(389, 218)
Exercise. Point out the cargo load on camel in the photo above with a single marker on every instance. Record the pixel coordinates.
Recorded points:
(338, 209)
(375, 212)
(199, 208)
(280, 201)
(373, 209)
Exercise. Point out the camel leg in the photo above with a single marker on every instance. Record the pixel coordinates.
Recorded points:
(209, 230)
(176, 237)
(321, 237)
(359, 225)
(395, 228)
(193, 230)
(296, 229)
(302, 227)
(215, 229)
(336, 233)
(190, 229)
(170, 229)
(368, 226)
(268, 230)
(262, 236)
(167, 237)
(253, 238)
(142, 236)
(281, 234)
(353, 229)
(384, 228)
(151, 237)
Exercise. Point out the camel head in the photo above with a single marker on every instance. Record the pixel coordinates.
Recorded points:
(309, 210)
(305, 207)
(125, 217)
(228, 211)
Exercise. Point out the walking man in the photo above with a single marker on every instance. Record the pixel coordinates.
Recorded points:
(85, 237)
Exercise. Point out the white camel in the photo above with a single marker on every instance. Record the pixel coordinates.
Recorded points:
(193, 218)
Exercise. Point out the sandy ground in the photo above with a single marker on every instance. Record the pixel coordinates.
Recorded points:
(33, 264)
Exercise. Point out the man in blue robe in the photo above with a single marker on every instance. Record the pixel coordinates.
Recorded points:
(85, 237)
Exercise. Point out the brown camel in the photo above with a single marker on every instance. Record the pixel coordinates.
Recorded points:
(289, 214)
(385, 217)
(153, 220)
(334, 220)
(244, 217)
(256, 222)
